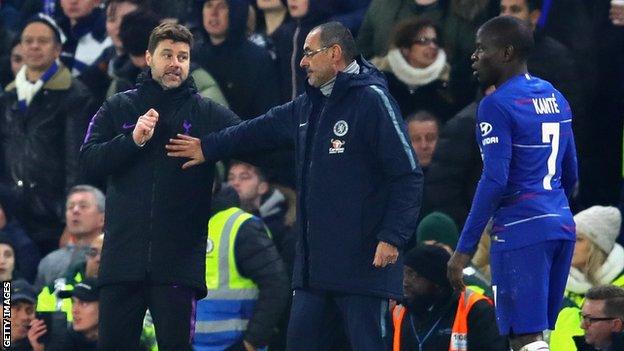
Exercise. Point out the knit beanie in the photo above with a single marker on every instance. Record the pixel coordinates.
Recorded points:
(438, 227)
(600, 224)
(429, 261)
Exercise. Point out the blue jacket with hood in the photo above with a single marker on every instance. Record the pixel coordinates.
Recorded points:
(358, 178)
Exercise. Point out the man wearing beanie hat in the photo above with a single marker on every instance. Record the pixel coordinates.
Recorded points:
(437, 228)
(432, 315)
(40, 158)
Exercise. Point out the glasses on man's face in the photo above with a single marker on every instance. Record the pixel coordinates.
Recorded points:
(93, 252)
(588, 320)
(310, 53)
(425, 41)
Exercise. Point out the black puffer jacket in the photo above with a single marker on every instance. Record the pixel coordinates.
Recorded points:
(455, 168)
(40, 148)
(156, 213)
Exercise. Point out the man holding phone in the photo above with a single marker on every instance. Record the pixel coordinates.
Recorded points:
(23, 299)
(82, 335)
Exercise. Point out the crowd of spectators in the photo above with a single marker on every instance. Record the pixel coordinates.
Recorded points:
(61, 59)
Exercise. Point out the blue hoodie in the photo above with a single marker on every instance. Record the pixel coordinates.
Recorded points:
(358, 178)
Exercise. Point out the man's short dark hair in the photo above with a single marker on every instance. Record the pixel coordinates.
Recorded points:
(135, 30)
(422, 116)
(169, 31)
(504, 31)
(406, 31)
(613, 297)
(336, 33)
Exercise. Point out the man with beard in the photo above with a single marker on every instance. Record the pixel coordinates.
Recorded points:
(158, 213)
(434, 317)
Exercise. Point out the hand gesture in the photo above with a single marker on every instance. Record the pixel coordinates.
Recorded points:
(385, 254)
(37, 329)
(455, 270)
(186, 146)
(144, 128)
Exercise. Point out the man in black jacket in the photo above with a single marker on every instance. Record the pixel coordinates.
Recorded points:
(43, 117)
(434, 317)
(154, 251)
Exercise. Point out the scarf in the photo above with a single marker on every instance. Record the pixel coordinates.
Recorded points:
(327, 88)
(26, 90)
(613, 266)
(412, 76)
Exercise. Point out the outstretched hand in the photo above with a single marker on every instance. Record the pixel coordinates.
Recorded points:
(186, 146)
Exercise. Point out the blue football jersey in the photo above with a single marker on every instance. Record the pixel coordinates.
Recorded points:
(524, 131)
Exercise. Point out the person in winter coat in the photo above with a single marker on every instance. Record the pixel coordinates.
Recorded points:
(597, 260)
(353, 159)
(40, 157)
(157, 213)
(417, 70)
(244, 71)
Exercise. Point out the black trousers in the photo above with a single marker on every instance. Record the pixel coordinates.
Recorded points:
(123, 307)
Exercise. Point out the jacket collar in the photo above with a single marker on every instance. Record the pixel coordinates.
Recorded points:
(61, 80)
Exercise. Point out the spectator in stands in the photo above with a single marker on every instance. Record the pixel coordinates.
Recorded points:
(26, 251)
(423, 129)
(455, 167)
(259, 198)
(257, 291)
(85, 26)
(602, 318)
(450, 320)
(23, 299)
(82, 334)
(120, 68)
(289, 39)
(274, 12)
(244, 71)
(381, 17)
(8, 267)
(417, 70)
(17, 56)
(41, 157)
(134, 33)
(85, 220)
(597, 260)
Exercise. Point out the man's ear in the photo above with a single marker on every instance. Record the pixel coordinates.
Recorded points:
(618, 326)
(263, 188)
(148, 57)
(508, 53)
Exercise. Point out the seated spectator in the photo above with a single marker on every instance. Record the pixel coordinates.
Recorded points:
(602, 318)
(417, 70)
(431, 308)
(134, 33)
(244, 71)
(289, 39)
(242, 313)
(85, 220)
(274, 13)
(440, 230)
(82, 334)
(423, 129)
(41, 157)
(120, 69)
(381, 17)
(22, 314)
(11, 58)
(259, 198)
(17, 56)
(597, 260)
(8, 267)
(26, 252)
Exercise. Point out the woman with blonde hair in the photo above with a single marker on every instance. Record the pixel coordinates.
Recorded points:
(597, 260)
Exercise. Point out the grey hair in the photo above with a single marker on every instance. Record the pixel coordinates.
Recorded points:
(100, 199)
(335, 33)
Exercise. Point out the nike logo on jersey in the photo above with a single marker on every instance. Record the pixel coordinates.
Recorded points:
(128, 126)
(546, 105)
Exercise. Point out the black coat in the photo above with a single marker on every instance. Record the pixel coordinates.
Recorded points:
(244, 71)
(434, 97)
(156, 213)
(40, 148)
(455, 168)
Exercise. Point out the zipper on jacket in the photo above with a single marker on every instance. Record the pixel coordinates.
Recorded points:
(151, 226)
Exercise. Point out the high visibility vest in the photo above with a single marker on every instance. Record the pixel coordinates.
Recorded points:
(47, 301)
(223, 315)
(459, 332)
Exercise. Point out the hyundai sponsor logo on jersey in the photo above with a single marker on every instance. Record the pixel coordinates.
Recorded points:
(485, 128)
